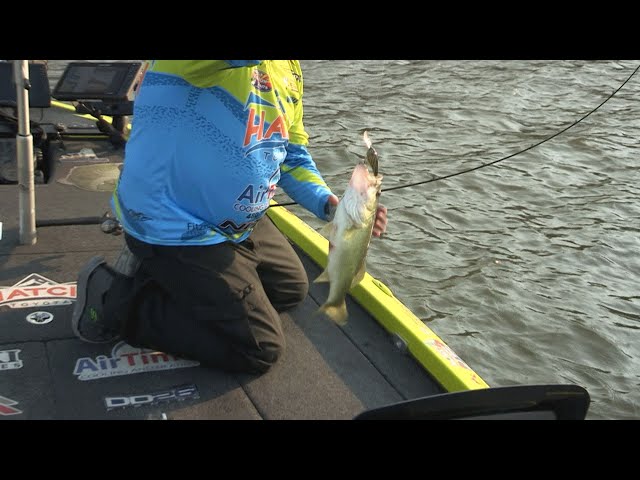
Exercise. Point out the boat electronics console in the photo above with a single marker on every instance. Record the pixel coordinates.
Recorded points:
(109, 82)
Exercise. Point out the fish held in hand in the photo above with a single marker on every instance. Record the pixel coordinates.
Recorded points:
(349, 234)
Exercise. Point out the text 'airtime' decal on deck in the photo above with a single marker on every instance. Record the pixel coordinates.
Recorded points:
(127, 360)
(36, 291)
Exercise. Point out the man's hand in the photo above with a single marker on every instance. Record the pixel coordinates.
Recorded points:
(330, 207)
(380, 223)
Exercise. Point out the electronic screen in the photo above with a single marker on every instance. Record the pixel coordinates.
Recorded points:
(99, 81)
(39, 93)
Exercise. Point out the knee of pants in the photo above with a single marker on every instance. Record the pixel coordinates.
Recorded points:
(293, 297)
(268, 355)
(301, 292)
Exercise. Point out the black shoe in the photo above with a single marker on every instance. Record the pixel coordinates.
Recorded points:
(87, 321)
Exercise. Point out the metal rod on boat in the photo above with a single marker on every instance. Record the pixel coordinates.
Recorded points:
(24, 152)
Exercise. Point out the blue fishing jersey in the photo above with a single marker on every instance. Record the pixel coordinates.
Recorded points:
(210, 140)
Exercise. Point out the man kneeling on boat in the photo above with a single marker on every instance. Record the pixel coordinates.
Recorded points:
(204, 272)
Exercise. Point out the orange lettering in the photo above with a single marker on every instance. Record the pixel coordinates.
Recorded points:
(252, 128)
(277, 127)
(159, 355)
(130, 358)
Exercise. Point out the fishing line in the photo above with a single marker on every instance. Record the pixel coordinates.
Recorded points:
(519, 152)
(483, 165)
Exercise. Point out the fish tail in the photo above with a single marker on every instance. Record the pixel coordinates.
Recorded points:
(337, 313)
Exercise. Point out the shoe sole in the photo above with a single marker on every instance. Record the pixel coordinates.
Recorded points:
(81, 297)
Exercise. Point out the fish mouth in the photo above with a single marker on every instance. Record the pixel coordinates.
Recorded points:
(372, 155)
(372, 159)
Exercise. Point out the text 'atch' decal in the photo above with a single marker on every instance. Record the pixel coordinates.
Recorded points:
(36, 291)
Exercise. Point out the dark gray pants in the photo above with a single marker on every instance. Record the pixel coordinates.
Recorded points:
(217, 304)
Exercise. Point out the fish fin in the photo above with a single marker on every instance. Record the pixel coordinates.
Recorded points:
(327, 230)
(337, 313)
(359, 274)
(323, 277)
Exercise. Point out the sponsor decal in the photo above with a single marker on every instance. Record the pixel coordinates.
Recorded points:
(39, 318)
(230, 227)
(9, 360)
(138, 216)
(262, 131)
(261, 81)
(127, 360)
(7, 406)
(257, 196)
(447, 353)
(36, 291)
(179, 393)
(292, 86)
(195, 230)
(475, 378)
